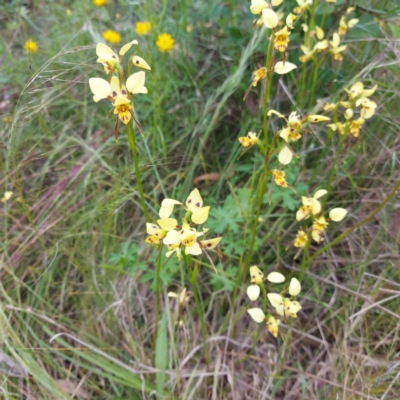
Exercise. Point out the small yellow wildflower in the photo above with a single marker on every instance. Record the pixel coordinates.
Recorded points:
(272, 325)
(355, 126)
(283, 305)
(100, 3)
(335, 48)
(279, 178)
(68, 12)
(282, 39)
(301, 239)
(282, 68)
(143, 28)
(307, 54)
(259, 74)
(165, 42)
(319, 224)
(31, 47)
(368, 107)
(311, 205)
(250, 140)
(111, 36)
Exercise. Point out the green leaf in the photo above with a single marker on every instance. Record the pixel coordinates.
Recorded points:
(161, 354)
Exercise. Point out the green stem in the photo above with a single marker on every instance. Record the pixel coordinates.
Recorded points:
(158, 293)
(262, 187)
(193, 275)
(132, 144)
(265, 298)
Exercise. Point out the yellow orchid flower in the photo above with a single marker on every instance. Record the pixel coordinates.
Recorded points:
(272, 325)
(368, 107)
(317, 118)
(279, 178)
(285, 156)
(256, 275)
(193, 203)
(152, 240)
(258, 316)
(122, 107)
(321, 45)
(253, 292)
(344, 25)
(250, 140)
(188, 237)
(107, 57)
(155, 230)
(308, 53)
(291, 307)
(259, 74)
(319, 224)
(301, 239)
(283, 305)
(126, 47)
(330, 106)
(348, 114)
(282, 68)
(355, 90)
(317, 236)
(270, 18)
(290, 19)
(311, 205)
(117, 94)
(210, 244)
(282, 39)
(294, 124)
(140, 62)
(258, 5)
(336, 49)
(256, 278)
(319, 32)
(337, 214)
(355, 126)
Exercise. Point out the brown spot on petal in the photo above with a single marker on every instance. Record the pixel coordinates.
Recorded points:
(197, 204)
(209, 244)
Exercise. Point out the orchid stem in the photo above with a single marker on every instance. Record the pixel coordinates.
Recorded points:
(193, 274)
(158, 294)
(132, 144)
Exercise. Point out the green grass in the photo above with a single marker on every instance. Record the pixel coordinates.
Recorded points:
(78, 284)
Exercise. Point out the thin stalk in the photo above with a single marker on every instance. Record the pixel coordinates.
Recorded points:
(193, 275)
(132, 144)
(262, 187)
(317, 65)
(265, 298)
(158, 294)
